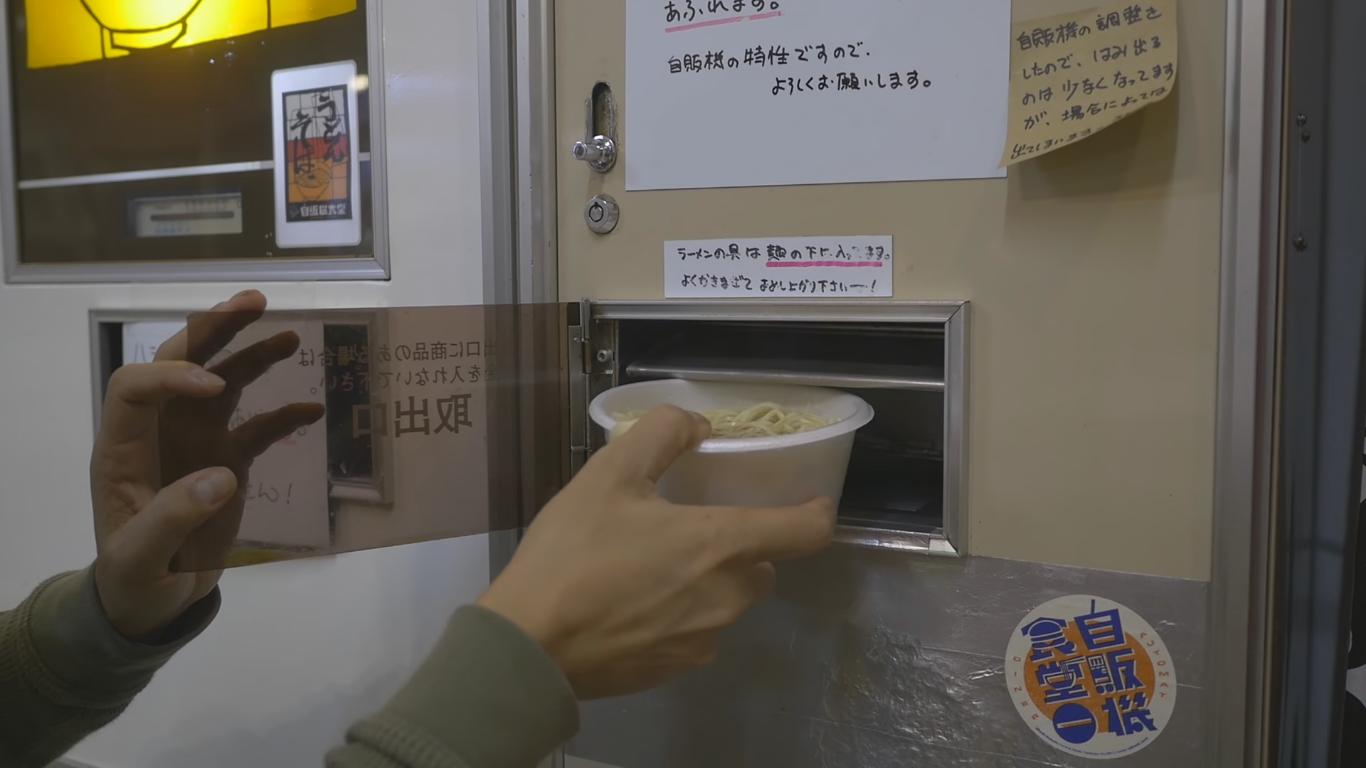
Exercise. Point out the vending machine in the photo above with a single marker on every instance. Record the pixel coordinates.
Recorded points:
(1028, 567)
(1044, 240)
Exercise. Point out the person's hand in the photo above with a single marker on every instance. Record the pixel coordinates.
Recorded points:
(166, 470)
(625, 590)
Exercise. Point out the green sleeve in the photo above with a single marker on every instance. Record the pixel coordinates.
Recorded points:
(66, 672)
(487, 697)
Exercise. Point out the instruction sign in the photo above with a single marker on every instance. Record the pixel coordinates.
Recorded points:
(142, 340)
(746, 93)
(779, 267)
(285, 493)
(1079, 73)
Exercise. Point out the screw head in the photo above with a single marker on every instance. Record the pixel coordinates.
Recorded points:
(1300, 243)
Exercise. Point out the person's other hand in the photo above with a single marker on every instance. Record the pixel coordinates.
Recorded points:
(166, 469)
(625, 590)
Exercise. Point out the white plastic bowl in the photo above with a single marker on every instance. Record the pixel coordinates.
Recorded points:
(754, 471)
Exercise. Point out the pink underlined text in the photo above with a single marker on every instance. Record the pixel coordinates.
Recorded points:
(781, 264)
(721, 22)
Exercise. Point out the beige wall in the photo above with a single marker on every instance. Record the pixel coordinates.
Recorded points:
(1093, 275)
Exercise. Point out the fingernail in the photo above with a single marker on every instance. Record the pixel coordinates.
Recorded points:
(240, 294)
(214, 487)
(204, 378)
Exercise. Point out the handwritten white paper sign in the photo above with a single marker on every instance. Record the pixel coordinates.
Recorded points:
(286, 492)
(141, 340)
(775, 92)
(779, 267)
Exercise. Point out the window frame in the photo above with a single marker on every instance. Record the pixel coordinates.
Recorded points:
(375, 266)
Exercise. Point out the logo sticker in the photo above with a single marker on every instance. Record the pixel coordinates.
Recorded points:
(1091, 677)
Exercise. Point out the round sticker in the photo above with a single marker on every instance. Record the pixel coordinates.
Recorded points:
(1091, 677)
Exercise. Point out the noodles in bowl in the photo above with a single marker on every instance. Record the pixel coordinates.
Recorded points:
(771, 444)
(762, 420)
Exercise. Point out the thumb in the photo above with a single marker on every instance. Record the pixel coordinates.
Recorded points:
(154, 535)
(648, 449)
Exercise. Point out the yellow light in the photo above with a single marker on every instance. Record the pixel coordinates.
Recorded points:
(144, 16)
(64, 32)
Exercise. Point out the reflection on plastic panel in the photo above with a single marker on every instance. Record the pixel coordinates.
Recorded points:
(352, 429)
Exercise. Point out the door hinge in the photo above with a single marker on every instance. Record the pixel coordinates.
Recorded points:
(582, 335)
(580, 393)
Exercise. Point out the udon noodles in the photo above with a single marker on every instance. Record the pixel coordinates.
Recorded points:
(762, 420)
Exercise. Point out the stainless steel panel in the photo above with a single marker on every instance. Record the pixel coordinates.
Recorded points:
(899, 541)
(721, 370)
(879, 658)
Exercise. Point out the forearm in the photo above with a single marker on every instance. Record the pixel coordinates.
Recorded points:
(66, 672)
(487, 697)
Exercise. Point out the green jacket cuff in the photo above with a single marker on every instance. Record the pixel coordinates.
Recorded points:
(487, 697)
(85, 661)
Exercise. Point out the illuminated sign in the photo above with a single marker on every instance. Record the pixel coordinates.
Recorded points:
(62, 32)
(317, 176)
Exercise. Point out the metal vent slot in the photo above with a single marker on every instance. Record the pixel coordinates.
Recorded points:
(863, 356)
(895, 490)
(847, 375)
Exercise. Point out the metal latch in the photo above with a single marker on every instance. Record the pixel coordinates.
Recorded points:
(598, 147)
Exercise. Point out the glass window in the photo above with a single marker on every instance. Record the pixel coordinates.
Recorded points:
(161, 133)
